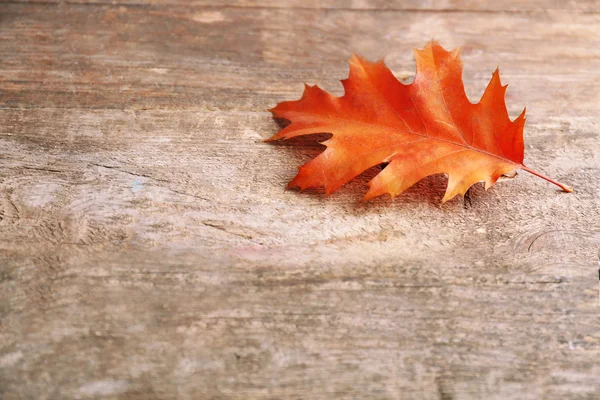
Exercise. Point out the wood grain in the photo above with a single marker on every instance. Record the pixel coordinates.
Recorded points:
(148, 249)
(379, 5)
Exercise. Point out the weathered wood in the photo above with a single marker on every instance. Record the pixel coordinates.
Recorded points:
(148, 249)
(380, 5)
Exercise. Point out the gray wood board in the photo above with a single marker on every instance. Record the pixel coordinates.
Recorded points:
(149, 250)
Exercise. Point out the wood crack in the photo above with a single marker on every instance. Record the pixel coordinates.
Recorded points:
(139, 175)
(43, 169)
(218, 226)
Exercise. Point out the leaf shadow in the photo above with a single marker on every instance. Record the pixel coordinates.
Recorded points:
(428, 191)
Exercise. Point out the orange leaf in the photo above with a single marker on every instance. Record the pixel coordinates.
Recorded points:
(425, 128)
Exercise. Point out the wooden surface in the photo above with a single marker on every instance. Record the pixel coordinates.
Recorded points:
(148, 249)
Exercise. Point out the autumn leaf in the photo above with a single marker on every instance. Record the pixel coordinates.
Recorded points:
(425, 128)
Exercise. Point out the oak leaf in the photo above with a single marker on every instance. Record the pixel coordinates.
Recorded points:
(424, 128)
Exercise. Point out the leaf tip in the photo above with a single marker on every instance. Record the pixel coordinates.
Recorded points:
(432, 43)
(355, 59)
(447, 198)
(371, 193)
(293, 185)
(455, 53)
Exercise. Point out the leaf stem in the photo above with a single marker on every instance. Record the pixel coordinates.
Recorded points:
(564, 187)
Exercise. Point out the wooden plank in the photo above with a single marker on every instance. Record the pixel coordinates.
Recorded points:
(148, 249)
(114, 58)
(379, 5)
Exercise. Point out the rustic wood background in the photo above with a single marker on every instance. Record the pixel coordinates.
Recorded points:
(149, 250)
